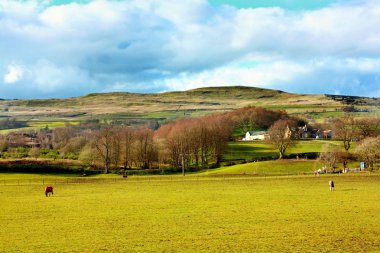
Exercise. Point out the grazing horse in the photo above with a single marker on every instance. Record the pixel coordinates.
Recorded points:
(48, 190)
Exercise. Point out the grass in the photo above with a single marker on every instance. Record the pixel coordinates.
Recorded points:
(249, 150)
(255, 149)
(35, 125)
(171, 105)
(51, 124)
(277, 167)
(312, 146)
(194, 214)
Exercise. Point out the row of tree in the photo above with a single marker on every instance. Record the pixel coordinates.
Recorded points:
(185, 143)
(182, 144)
(365, 131)
(283, 134)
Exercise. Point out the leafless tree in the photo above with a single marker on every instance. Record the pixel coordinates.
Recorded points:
(344, 130)
(281, 137)
(61, 136)
(368, 127)
(330, 156)
(146, 152)
(220, 128)
(103, 141)
(369, 150)
(127, 136)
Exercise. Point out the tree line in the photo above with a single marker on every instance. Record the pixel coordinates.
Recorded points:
(184, 143)
(363, 131)
(194, 143)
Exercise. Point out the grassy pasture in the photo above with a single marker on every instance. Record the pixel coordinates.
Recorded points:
(277, 167)
(194, 214)
(35, 125)
(255, 149)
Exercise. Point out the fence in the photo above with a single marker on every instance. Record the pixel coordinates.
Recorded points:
(135, 179)
(55, 181)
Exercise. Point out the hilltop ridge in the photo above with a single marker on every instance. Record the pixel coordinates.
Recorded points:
(175, 104)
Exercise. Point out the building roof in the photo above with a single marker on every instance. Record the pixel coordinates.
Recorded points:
(256, 132)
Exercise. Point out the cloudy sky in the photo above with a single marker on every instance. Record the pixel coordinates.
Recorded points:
(65, 48)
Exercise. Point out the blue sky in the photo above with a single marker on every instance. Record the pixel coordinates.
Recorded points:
(63, 48)
(286, 4)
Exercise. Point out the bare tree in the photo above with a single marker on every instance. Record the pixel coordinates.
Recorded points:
(146, 152)
(220, 129)
(103, 143)
(369, 150)
(368, 127)
(344, 130)
(4, 144)
(61, 136)
(280, 136)
(127, 136)
(116, 146)
(330, 156)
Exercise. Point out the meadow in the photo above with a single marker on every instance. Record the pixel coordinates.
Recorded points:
(194, 213)
(37, 125)
(270, 168)
(255, 149)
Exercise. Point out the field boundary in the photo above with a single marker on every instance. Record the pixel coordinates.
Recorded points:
(67, 181)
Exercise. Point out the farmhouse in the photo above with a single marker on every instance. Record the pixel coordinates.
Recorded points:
(258, 135)
(27, 140)
(324, 134)
(306, 132)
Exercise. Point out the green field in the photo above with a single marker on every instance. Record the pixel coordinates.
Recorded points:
(192, 214)
(277, 167)
(37, 125)
(256, 149)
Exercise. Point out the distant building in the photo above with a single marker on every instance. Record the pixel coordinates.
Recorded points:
(324, 134)
(255, 135)
(306, 132)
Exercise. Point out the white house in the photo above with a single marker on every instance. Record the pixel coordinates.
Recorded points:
(258, 135)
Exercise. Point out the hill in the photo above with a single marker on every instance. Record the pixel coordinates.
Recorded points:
(161, 107)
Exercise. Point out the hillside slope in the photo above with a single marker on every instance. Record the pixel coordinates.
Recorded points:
(170, 105)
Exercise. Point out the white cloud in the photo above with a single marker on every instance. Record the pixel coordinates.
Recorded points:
(160, 45)
(14, 74)
(265, 75)
(353, 76)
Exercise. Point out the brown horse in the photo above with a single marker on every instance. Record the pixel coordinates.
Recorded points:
(48, 190)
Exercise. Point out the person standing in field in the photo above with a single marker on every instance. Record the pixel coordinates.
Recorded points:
(331, 184)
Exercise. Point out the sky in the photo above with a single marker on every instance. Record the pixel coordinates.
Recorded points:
(66, 48)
